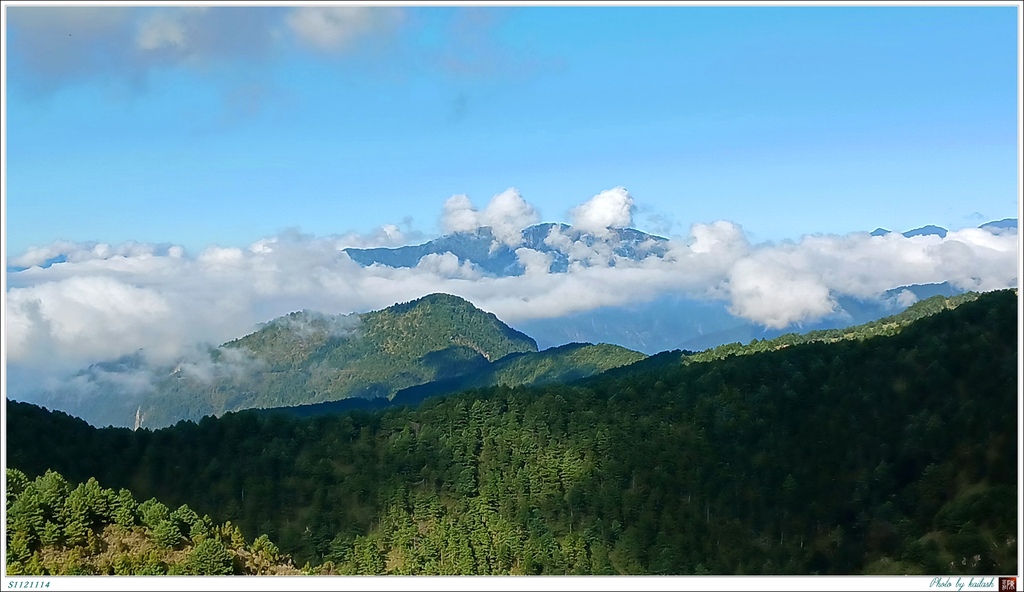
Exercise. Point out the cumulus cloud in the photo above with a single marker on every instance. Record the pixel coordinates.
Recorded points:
(447, 265)
(609, 209)
(771, 292)
(506, 215)
(104, 301)
(86, 314)
(905, 298)
(534, 262)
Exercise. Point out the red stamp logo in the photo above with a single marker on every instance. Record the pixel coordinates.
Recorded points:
(1008, 584)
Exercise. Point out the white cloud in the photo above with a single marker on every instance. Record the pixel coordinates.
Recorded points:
(905, 298)
(109, 300)
(771, 293)
(39, 255)
(609, 209)
(459, 214)
(506, 215)
(232, 362)
(84, 318)
(447, 265)
(534, 262)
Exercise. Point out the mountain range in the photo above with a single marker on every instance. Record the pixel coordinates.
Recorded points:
(888, 448)
(665, 322)
(482, 248)
(436, 344)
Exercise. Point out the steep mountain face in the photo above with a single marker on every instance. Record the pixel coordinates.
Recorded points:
(492, 256)
(301, 358)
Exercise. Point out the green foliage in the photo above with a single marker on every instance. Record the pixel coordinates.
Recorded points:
(88, 533)
(556, 365)
(16, 483)
(152, 512)
(210, 558)
(124, 508)
(167, 534)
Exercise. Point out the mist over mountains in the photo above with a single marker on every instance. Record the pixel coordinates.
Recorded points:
(437, 344)
(662, 323)
(597, 280)
(481, 248)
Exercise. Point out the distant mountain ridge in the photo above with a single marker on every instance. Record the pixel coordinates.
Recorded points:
(484, 250)
(664, 323)
(675, 322)
(996, 226)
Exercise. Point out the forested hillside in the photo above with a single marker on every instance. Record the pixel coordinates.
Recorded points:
(56, 529)
(307, 358)
(885, 326)
(301, 358)
(890, 454)
(556, 365)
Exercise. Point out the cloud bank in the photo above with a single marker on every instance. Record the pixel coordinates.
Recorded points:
(101, 301)
(58, 45)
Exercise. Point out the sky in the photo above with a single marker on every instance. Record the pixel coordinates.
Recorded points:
(199, 169)
(224, 125)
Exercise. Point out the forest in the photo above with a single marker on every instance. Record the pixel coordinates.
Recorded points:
(887, 450)
(89, 530)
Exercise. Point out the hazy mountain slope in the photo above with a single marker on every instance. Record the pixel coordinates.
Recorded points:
(301, 358)
(557, 365)
(673, 322)
(889, 454)
(306, 358)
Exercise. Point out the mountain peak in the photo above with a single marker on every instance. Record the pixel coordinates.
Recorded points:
(930, 229)
(440, 298)
(999, 226)
(482, 248)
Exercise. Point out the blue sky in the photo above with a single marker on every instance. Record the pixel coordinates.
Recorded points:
(171, 125)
